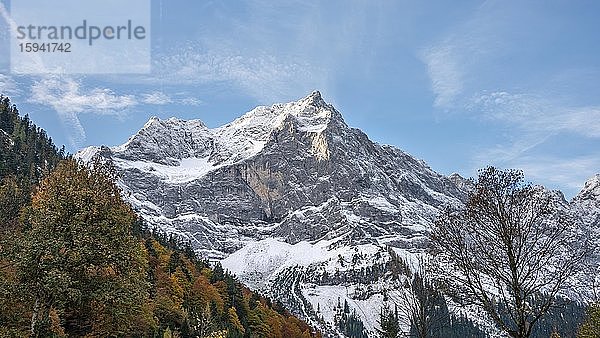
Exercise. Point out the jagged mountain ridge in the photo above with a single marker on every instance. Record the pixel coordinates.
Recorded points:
(296, 203)
(268, 170)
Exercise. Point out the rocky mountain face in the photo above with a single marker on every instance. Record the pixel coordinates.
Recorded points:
(587, 202)
(294, 201)
(586, 208)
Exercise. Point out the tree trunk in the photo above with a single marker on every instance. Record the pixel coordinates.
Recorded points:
(34, 317)
(39, 318)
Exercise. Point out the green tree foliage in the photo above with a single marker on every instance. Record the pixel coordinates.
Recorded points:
(77, 255)
(591, 326)
(84, 273)
(78, 262)
(26, 152)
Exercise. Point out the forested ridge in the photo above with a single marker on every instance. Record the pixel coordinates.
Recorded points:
(75, 260)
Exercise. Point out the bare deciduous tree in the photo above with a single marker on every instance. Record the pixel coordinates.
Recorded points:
(510, 250)
(422, 306)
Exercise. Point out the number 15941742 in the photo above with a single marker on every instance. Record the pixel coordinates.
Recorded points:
(49, 47)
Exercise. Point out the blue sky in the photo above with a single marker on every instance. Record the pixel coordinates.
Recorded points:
(460, 84)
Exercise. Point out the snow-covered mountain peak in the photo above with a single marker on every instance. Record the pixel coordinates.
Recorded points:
(462, 183)
(309, 114)
(318, 196)
(311, 105)
(591, 189)
(276, 160)
(152, 120)
(167, 141)
(313, 99)
(456, 177)
(587, 201)
(176, 123)
(157, 124)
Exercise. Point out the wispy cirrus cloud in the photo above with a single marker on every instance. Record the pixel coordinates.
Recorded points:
(70, 98)
(445, 74)
(190, 101)
(537, 114)
(451, 60)
(159, 98)
(557, 172)
(569, 173)
(468, 70)
(264, 76)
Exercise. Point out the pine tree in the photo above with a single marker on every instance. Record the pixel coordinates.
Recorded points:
(234, 321)
(217, 273)
(389, 323)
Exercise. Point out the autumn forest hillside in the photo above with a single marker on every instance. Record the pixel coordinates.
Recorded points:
(76, 261)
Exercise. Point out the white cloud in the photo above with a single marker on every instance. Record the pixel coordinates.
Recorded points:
(555, 172)
(537, 114)
(161, 98)
(583, 120)
(190, 101)
(567, 174)
(472, 56)
(445, 74)
(506, 154)
(8, 86)
(502, 105)
(286, 50)
(156, 98)
(452, 61)
(67, 97)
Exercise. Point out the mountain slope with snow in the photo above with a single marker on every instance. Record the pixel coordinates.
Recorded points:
(294, 201)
